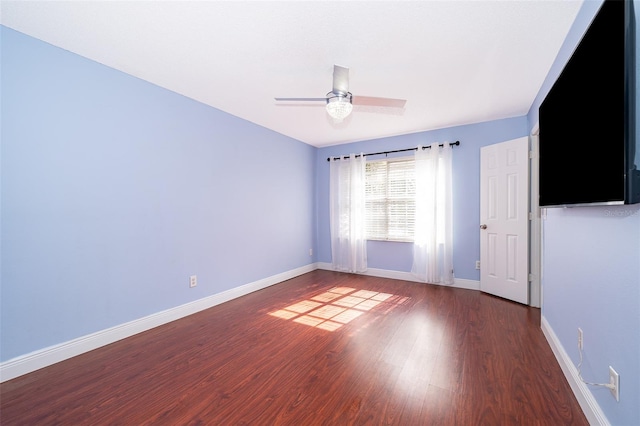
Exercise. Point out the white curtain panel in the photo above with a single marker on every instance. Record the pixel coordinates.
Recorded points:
(433, 243)
(347, 203)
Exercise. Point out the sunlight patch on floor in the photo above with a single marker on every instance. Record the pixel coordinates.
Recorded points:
(336, 307)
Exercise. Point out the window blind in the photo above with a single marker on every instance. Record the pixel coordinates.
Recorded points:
(390, 200)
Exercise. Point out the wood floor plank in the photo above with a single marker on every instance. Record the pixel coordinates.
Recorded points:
(324, 348)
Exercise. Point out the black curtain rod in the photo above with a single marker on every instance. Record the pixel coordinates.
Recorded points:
(456, 143)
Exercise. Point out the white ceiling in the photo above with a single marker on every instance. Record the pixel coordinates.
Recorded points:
(455, 62)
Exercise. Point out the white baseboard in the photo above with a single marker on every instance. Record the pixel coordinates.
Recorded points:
(44, 357)
(408, 276)
(36, 360)
(589, 405)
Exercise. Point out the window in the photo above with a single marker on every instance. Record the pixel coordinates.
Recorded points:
(390, 199)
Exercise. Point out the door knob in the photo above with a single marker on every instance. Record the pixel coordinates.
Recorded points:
(483, 226)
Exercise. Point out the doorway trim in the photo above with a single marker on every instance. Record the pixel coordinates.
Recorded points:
(535, 222)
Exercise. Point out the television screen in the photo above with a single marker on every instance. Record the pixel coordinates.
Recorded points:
(587, 136)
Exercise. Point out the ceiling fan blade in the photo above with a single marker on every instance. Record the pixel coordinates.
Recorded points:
(302, 99)
(300, 105)
(340, 79)
(373, 101)
(370, 109)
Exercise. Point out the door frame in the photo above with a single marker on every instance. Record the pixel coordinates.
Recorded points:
(535, 223)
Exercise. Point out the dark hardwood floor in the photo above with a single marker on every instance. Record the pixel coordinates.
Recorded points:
(321, 349)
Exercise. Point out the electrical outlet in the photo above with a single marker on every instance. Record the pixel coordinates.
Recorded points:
(614, 380)
(580, 339)
(477, 264)
(193, 281)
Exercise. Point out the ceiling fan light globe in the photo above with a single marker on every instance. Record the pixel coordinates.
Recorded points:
(339, 107)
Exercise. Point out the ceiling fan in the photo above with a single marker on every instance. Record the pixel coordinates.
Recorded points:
(339, 101)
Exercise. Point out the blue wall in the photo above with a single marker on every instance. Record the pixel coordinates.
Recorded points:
(591, 274)
(114, 191)
(397, 256)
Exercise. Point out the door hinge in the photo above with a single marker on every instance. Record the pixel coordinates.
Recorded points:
(530, 277)
(531, 155)
(530, 215)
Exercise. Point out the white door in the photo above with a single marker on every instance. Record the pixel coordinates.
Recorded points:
(504, 216)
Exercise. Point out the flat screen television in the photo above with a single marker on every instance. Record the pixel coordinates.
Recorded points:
(587, 134)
